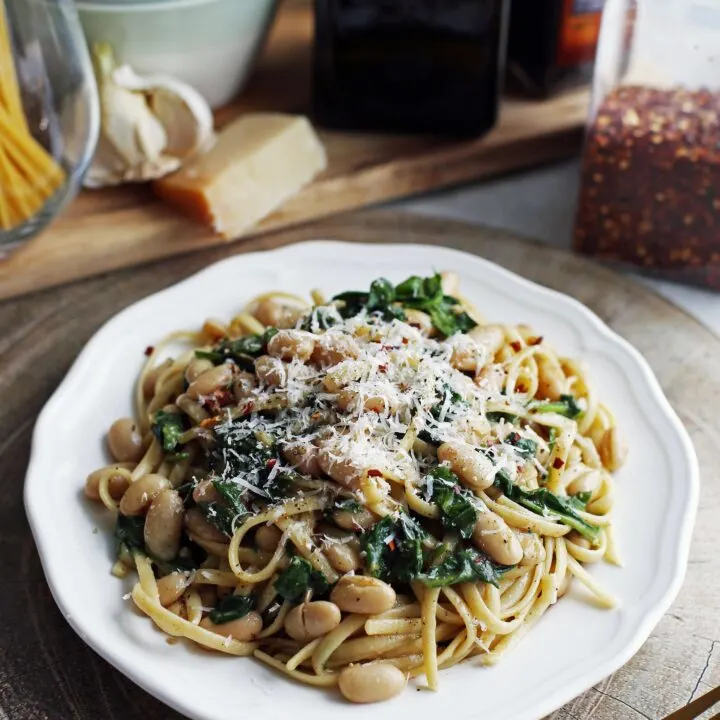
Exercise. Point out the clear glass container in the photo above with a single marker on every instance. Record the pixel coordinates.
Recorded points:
(53, 72)
(650, 191)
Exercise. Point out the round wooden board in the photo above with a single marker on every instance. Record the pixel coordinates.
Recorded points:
(46, 671)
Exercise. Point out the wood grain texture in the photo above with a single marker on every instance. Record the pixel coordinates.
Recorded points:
(123, 227)
(47, 672)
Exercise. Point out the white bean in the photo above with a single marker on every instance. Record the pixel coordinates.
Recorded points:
(472, 468)
(311, 620)
(374, 682)
(172, 586)
(244, 629)
(163, 525)
(125, 441)
(141, 493)
(492, 535)
(207, 383)
(363, 594)
(291, 344)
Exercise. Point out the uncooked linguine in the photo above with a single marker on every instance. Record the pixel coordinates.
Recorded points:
(360, 490)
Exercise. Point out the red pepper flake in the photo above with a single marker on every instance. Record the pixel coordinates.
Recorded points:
(513, 437)
(149, 350)
(249, 407)
(558, 463)
(535, 340)
(373, 472)
(224, 397)
(271, 463)
(521, 387)
(382, 368)
(216, 400)
(516, 345)
(391, 544)
(405, 341)
(210, 422)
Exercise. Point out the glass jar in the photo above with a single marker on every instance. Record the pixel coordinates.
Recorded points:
(49, 114)
(650, 189)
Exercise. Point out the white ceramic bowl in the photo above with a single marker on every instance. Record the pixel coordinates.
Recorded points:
(211, 44)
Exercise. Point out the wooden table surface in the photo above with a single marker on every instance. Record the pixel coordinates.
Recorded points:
(46, 671)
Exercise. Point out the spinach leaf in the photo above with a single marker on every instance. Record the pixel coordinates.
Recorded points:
(241, 453)
(426, 294)
(322, 317)
(456, 508)
(567, 406)
(450, 398)
(496, 416)
(299, 577)
(381, 295)
(543, 502)
(380, 299)
(167, 428)
(463, 565)
(525, 446)
(241, 351)
(219, 515)
(350, 505)
(419, 289)
(232, 607)
(419, 293)
(129, 534)
(226, 515)
(394, 548)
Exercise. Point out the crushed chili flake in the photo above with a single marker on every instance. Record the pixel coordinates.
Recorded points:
(374, 473)
(405, 341)
(249, 407)
(558, 463)
(536, 340)
(382, 368)
(149, 350)
(210, 422)
(271, 463)
(521, 387)
(216, 400)
(516, 345)
(651, 183)
(390, 543)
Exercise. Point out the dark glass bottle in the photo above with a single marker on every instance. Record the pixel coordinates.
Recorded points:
(426, 66)
(552, 43)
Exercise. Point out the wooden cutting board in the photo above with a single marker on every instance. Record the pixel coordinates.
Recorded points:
(110, 229)
(46, 671)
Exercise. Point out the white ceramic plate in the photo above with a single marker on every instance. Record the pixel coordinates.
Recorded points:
(574, 646)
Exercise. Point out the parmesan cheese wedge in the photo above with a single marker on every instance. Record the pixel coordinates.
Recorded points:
(257, 163)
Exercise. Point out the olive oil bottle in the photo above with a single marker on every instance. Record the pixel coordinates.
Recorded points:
(416, 66)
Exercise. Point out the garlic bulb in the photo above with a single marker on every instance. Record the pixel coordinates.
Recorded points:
(150, 124)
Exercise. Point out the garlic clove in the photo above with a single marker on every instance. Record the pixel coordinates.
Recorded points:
(149, 124)
(181, 109)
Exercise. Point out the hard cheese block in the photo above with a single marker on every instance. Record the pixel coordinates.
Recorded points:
(257, 163)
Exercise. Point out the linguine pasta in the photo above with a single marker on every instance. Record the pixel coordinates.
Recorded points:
(360, 490)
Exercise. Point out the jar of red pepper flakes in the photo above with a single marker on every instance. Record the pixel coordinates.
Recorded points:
(650, 183)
